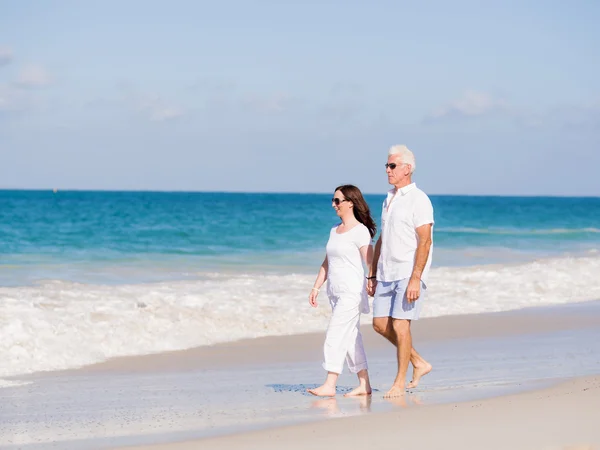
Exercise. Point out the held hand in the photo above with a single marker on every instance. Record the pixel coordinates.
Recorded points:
(312, 298)
(371, 287)
(413, 291)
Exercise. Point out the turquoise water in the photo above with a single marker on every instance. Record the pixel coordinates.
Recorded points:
(156, 235)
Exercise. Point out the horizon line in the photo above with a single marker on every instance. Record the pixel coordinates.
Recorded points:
(185, 191)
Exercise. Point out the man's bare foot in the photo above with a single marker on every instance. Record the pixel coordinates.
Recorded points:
(359, 390)
(323, 391)
(419, 372)
(395, 391)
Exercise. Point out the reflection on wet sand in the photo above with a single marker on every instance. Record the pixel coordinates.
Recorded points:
(350, 406)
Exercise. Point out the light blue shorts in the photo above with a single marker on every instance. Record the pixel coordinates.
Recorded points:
(390, 300)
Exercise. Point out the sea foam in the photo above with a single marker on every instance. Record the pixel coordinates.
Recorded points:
(57, 325)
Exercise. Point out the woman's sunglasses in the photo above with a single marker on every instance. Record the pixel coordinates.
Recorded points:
(337, 201)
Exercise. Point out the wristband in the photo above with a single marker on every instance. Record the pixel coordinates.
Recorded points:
(314, 289)
(371, 278)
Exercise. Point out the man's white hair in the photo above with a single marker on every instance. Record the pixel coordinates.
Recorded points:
(406, 156)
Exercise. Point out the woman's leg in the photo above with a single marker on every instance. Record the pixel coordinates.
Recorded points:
(337, 341)
(357, 362)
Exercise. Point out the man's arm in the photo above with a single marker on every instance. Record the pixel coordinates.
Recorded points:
(376, 253)
(372, 283)
(423, 246)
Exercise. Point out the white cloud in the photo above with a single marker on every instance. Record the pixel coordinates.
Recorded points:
(33, 76)
(471, 104)
(157, 109)
(6, 56)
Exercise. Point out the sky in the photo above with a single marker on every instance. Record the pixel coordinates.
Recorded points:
(494, 98)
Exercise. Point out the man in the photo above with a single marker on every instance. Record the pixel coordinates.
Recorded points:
(401, 262)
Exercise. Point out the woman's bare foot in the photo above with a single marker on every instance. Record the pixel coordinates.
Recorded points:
(359, 390)
(419, 372)
(323, 391)
(395, 391)
(364, 385)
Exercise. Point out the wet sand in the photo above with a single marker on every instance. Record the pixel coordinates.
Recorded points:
(564, 417)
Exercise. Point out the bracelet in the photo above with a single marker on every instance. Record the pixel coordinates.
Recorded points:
(371, 278)
(314, 289)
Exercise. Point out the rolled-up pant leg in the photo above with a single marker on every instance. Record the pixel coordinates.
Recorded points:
(343, 340)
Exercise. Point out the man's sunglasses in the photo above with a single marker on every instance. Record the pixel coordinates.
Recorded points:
(337, 201)
(392, 165)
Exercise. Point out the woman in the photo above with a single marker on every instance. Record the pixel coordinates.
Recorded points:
(348, 247)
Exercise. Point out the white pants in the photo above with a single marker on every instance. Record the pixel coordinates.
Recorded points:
(343, 340)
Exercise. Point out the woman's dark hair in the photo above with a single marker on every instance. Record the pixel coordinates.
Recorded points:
(361, 208)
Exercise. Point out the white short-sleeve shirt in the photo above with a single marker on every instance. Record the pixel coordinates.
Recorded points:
(404, 210)
(345, 272)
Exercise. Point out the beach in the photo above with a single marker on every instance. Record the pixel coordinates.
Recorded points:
(525, 369)
(202, 203)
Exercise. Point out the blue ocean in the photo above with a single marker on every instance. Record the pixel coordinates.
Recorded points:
(85, 276)
(79, 236)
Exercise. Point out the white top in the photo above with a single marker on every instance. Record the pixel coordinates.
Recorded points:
(403, 212)
(345, 273)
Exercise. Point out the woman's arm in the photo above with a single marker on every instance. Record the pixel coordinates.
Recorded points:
(321, 277)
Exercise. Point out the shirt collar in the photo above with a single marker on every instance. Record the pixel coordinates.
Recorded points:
(406, 189)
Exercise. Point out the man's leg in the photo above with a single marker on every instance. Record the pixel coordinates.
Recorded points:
(384, 326)
(402, 329)
(420, 368)
(412, 311)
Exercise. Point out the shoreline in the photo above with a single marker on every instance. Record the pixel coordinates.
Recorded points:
(65, 325)
(306, 346)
